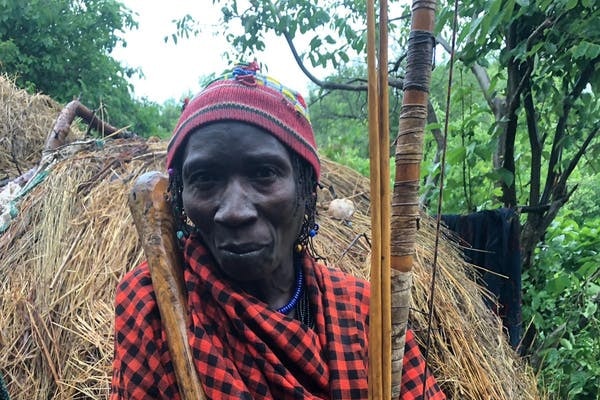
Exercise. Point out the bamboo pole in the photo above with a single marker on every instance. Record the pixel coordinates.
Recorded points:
(384, 160)
(380, 358)
(375, 372)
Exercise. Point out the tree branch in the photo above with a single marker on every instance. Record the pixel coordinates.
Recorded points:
(575, 160)
(57, 136)
(534, 143)
(395, 83)
(562, 125)
(496, 103)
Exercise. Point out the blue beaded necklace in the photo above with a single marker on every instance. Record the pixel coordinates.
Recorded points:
(294, 300)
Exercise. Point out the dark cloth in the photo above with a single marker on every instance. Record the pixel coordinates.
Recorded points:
(494, 240)
(244, 350)
(3, 390)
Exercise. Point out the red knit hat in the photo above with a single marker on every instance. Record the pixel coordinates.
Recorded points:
(246, 96)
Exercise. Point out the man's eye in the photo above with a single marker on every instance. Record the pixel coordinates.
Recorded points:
(265, 172)
(203, 177)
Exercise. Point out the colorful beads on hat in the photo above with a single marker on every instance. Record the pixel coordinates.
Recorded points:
(244, 69)
(246, 73)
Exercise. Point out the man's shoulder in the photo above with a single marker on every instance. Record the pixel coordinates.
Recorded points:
(136, 286)
(338, 276)
(347, 284)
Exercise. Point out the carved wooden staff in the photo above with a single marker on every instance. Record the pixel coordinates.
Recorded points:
(409, 153)
(393, 246)
(156, 228)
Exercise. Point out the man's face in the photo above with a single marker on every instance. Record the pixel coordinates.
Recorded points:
(240, 192)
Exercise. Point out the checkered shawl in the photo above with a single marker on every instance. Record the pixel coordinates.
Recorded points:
(245, 350)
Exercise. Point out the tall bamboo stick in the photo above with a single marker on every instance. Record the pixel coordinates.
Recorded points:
(380, 358)
(375, 314)
(409, 150)
(384, 162)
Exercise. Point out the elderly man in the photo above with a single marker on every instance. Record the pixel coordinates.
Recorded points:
(267, 320)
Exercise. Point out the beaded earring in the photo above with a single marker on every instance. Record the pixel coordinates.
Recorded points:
(307, 232)
(175, 197)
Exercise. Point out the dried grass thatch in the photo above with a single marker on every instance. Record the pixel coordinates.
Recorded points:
(61, 258)
(24, 123)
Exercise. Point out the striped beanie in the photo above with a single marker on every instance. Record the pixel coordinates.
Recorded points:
(247, 96)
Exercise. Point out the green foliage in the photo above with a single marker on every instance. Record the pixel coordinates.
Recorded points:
(470, 178)
(561, 299)
(152, 119)
(339, 119)
(333, 30)
(553, 44)
(340, 125)
(62, 48)
(584, 203)
(316, 20)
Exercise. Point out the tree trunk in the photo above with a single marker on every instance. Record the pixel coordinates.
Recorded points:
(506, 147)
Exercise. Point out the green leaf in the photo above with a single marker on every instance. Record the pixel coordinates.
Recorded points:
(483, 152)
(456, 155)
(580, 50)
(315, 43)
(490, 20)
(571, 4)
(557, 285)
(505, 176)
(587, 269)
(566, 344)
(434, 125)
(593, 51)
(590, 309)
(593, 289)
(321, 17)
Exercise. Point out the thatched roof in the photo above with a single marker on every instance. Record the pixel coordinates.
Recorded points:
(24, 123)
(73, 239)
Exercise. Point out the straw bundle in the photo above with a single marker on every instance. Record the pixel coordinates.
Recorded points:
(24, 123)
(61, 258)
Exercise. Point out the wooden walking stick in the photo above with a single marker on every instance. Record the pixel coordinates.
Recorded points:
(156, 228)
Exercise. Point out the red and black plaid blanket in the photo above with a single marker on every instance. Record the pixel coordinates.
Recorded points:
(245, 350)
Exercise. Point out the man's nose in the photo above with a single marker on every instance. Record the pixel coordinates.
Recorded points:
(236, 207)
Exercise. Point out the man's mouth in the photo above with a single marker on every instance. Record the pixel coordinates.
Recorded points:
(241, 248)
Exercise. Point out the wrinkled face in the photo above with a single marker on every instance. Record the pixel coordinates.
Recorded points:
(239, 190)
